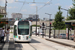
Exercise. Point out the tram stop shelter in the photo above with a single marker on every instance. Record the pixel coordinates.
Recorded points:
(70, 22)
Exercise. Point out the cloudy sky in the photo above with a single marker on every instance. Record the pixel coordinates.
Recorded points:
(26, 9)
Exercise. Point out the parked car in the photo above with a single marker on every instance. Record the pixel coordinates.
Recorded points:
(71, 36)
(62, 36)
(42, 33)
(33, 32)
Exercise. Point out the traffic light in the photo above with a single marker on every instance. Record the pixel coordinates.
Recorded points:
(40, 26)
(43, 24)
(50, 31)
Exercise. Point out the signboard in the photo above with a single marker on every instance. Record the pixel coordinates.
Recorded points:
(73, 24)
(2, 11)
(5, 22)
(68, 23)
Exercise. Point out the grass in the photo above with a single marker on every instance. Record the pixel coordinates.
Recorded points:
(11, 32)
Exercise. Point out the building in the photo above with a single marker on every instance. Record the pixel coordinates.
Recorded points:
(47, 19)
(16, 15)
(2, 11)
(33, 17)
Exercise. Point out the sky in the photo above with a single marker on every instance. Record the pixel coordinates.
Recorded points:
(26, 9)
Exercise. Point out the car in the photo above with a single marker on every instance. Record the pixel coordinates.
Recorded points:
(71, 36)
(33, 32)
(62, 36)
(40, 33)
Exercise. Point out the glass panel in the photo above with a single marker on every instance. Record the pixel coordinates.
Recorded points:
(23, 25)
(31, 31)
(23, 28)
(23, 31)
(15, 30)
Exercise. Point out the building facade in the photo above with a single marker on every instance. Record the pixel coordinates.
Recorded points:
(16, 15)
(2, 11)
(33, 17)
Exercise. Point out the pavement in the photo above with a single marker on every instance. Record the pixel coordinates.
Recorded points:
(7, 46)
(66, 42)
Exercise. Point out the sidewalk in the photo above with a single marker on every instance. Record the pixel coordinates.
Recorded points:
(66, 42)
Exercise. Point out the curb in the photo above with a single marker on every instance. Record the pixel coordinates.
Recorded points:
(61, 43)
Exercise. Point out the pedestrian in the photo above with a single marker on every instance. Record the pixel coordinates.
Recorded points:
(7, 35)
(2, 35)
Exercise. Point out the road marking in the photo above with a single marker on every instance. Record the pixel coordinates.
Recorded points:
(6, 46)
(32, 46)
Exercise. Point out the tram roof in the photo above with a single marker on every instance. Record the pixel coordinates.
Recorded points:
(16, 22)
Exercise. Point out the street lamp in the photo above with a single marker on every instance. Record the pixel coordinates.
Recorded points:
(50, 24)
(5, 6)
(67, 17)
(65, 10)
(36, 20)
(5, 11)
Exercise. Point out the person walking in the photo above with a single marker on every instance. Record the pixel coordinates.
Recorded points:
(2, 35)
(7, 35)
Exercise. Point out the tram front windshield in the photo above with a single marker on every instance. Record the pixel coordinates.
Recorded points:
(23, 28)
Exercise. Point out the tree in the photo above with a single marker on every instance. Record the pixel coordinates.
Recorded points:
(59, 24)
(72, 12)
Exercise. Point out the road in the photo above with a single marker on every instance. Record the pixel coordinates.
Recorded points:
(37, 43)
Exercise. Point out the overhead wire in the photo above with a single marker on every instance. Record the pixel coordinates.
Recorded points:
(43, 6)
(34, 1)
(22, 5)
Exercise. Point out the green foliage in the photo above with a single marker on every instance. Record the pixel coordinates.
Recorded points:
(73, 3)
(1, 16)
(71, 15)
(35, 25)
(59, 8)
(72, 12)
(1, 25)
(59, 24)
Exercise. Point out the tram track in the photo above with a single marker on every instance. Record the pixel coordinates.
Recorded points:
(55, 47)
(48, 45)
(32, 46)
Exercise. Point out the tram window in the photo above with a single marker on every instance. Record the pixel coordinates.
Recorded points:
(15, 30)
(30, 30)
(23, 31)
(23, 28)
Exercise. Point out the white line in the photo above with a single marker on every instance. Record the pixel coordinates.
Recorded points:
(6, 46)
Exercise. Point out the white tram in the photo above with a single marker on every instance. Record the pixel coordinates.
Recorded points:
(22, 31)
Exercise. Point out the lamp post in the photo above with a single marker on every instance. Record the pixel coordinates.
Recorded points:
(65, 10)
(5, 11)
(36, 20)
(67, 16)
(50, 24)
(5, 6)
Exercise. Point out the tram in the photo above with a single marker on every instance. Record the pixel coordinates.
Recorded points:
(22, 31)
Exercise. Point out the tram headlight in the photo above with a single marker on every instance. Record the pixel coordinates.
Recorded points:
(19, 37)
(27, 37)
